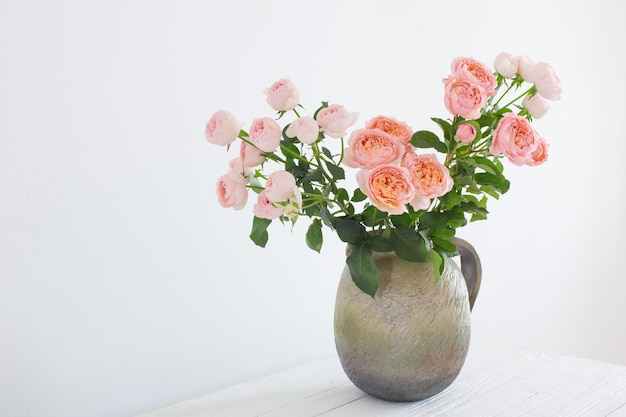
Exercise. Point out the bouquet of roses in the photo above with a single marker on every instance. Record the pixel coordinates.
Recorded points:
(414, 188)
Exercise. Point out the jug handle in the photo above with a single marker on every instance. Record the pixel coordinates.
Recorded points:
(470, 267)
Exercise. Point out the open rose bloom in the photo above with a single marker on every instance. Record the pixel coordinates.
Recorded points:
(414, 187)
(222, 128)
(283, 95)
(368, 148)
(399, 130)
(516, 139)
(389, 187)
(231, 189)
(335, 120)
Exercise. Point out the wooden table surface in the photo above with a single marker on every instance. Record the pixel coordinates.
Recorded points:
(496, 380)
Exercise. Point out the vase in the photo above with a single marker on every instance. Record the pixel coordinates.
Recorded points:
(409, 342)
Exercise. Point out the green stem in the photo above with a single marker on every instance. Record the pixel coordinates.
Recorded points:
(296, 156)
(317, 199)
(503, 95)
(518, 97)
(317, 155)
(450, 156)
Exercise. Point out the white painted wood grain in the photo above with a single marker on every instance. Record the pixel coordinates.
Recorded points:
(497, 380)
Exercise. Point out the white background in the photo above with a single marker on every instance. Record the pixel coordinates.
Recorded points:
(124, 286)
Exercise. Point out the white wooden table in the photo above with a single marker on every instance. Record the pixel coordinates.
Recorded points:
(497, 380)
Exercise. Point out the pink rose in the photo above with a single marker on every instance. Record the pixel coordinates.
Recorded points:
(465, 133)
(236, 166)
(469, 69)
(335, 120)
(514, 138)
(232, 191)
(388, 187)
(525, 68)
(265, 134)
(539, 155)
(305, 129)
(392, 126)
(279, 186)
(506, 65)
(222, 128)
(464, 98)
(368, 148)
(283, 95)
(250, 155)
(430, 178)
(265, 209)
(536, 105)
(546, 81)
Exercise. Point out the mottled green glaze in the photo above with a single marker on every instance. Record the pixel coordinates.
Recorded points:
(410, 341)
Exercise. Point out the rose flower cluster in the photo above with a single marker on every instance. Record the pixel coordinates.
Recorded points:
(404, 194)
(280, 196)
(472, 84)
(392, 174)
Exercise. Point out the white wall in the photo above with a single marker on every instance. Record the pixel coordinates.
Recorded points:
(125, 287)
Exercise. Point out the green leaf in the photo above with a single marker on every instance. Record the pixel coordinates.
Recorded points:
(451, 199)
(403, 219)
(342, 195)
(259, 233)
(349, 208)
(456, 218)
(484, 164)
(408, 244)
(380, 244)
(434, 221)
(316, 175)
(363, 270)
(471, 207)
(497, 181)
(489, 190)
(358, 196)
(438, 264)
(327, 218)
(308, 188)
(373, 216)
(444, 125)
(297, 167)
(289, 149)
(314, 237)
(351, 231)
(303, 168)
(486, 120)
(443, 245)
(336, 171)
(426, 139)
(478, 216)
(255, 184)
